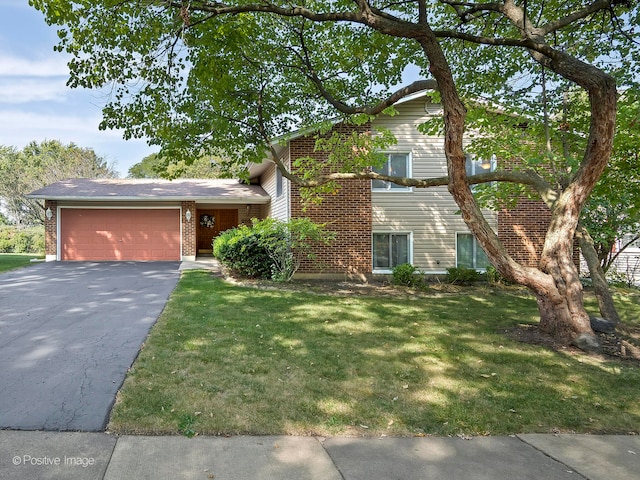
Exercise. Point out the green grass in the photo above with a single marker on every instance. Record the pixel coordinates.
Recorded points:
(225, 359)
(9, 261)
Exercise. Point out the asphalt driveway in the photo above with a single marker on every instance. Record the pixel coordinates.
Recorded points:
(68, 334)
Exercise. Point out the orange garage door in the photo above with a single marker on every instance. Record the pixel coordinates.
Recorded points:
(119, 234)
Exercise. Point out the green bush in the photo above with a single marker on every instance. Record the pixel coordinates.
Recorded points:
(240, 250)
(21, 240)
(462, 275)
(616, 278)
(269, 248)
(494, 277)
(405, 274)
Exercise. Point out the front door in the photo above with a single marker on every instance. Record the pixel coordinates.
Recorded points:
(210, 223)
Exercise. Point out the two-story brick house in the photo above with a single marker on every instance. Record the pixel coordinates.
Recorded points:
(380, 225)
(377, 224)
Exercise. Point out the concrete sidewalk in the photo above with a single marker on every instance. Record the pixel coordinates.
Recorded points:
(67, 455)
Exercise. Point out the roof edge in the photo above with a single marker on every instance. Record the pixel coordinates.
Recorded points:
(262, 199)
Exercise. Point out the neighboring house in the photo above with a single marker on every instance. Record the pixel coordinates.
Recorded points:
(378, 225)
(626, 266)
(628, 261)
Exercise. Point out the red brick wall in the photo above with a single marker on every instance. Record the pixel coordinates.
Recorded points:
(523, 229)
(189, 229)
(347, 213)
(51, 228)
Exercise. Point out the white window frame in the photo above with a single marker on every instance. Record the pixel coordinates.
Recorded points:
(409, 236)
(388, 185)
(476, 246)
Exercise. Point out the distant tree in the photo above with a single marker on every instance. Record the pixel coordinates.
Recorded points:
(148, 167)
(155, 166)
(39, 164)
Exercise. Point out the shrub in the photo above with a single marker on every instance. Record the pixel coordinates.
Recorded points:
(21, 240)
(269, 248)
(495, 277)
(462, 275)
(405, 274)
(239, 249)
(616, 278)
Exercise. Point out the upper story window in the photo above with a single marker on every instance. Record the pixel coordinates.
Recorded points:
(476, 166)
(397, 165)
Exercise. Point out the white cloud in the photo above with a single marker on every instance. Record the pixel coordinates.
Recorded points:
(12, 66)
(20, 127)
(32, 90)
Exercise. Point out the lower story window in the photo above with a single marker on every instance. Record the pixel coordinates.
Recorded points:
(390, 250)
(469, 254)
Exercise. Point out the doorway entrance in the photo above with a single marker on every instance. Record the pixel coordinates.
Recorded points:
(210, 223)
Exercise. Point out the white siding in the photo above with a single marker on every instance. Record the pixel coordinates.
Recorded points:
(628, 264)
(279, 206)
(430, 214)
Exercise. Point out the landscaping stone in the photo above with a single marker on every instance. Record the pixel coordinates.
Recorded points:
(587, 342)
(599, 324)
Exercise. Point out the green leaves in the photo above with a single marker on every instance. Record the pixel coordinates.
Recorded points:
(39, 164)
(200, 83)
(340, 150)
(270, 248)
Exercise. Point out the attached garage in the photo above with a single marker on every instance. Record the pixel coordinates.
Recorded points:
(119, 234)
(143, 219)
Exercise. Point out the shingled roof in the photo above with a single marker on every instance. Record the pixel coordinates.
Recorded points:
(119, 189)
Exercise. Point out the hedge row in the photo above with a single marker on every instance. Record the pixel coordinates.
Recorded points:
(21, 240)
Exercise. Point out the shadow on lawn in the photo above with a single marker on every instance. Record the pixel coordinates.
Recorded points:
(267, 362)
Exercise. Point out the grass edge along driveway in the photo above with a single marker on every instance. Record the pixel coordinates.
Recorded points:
(9, 261)
(224, 359)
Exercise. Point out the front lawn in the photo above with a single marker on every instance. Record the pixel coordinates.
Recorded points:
(9, 261)
(225, 359)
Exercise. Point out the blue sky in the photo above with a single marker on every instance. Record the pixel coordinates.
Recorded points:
(36, 104)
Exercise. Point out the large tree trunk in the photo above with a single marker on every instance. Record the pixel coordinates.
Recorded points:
(556, 283)
(561, 307)
(600, 285)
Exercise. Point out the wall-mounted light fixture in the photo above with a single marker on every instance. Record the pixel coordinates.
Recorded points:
(48, 213)
(248, 208)
(188, 215)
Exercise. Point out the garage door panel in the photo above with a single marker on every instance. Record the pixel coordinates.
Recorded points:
(120, 234)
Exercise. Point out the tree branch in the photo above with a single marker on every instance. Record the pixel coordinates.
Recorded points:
(482, 40)
(560, 23)
(531, 178)
(219, 8)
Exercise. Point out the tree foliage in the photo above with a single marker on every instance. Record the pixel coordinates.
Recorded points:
(39, 164)
(199, 77)
(155, 166)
